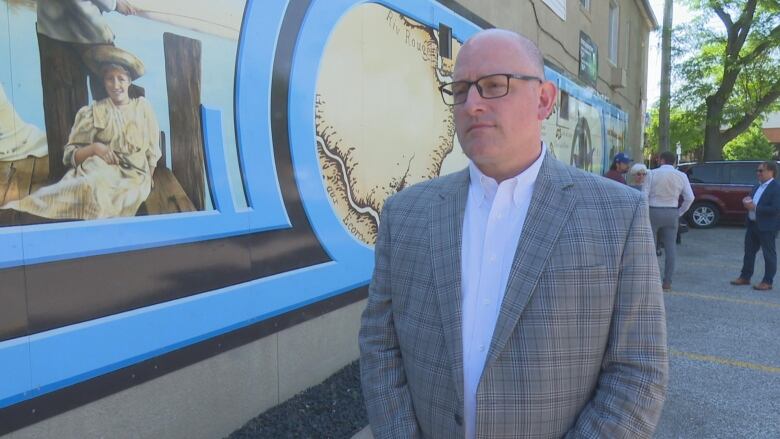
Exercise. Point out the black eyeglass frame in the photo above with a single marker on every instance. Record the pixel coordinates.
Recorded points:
(475, 83)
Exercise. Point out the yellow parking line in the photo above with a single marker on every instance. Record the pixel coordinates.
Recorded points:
(725, 299)
(725, 361)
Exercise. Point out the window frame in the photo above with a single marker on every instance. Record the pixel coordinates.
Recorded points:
(613, 37)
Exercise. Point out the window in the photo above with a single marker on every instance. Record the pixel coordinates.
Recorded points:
(585, 4)
(742, 173)
(614, 34)
(557, 6)
(629, 51)
(705, 173)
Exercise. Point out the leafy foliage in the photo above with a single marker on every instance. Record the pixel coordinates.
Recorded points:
(727, 67)
(750, 145)
(685, 126)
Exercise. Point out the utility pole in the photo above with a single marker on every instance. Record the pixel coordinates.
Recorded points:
(666, 72)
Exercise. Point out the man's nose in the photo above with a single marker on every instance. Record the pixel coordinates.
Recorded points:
(474, 100)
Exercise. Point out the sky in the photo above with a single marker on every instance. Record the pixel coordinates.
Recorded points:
(681, 15)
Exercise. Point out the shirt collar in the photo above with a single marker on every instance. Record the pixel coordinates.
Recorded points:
(485, 188)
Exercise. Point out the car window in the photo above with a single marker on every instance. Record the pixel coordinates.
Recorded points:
(742, 173)
(705, 173)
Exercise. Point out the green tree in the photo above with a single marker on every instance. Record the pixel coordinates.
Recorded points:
(685, 127)
(728, 67)
(752, 144)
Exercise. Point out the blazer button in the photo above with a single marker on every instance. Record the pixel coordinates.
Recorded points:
(458, 418)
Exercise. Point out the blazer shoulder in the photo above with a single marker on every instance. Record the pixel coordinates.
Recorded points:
(426, 193)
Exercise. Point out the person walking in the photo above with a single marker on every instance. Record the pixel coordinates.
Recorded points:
(666, 186)
(763, 222)
(519, 297)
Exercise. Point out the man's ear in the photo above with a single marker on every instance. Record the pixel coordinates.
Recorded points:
(547, 93)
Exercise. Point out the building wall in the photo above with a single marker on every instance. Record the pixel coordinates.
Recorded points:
(213, 398)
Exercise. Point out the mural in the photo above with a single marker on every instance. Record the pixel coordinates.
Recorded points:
(381, 122)
(616, 125)
(18, 139)
(574, 133)
(112, 124)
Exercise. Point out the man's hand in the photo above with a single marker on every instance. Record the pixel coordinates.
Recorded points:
(124, 7)
(748, 203)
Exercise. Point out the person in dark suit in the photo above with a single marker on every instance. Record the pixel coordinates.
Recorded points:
(519, 297)
(763, 222)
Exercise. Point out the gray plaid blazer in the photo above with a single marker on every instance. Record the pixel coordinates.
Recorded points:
(579, 349)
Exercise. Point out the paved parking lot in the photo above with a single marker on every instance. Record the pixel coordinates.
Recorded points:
(724, 344)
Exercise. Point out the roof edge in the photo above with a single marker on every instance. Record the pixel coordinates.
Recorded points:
(648, 13)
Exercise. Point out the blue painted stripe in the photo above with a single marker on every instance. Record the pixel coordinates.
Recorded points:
(11, 249)
(15, 384)
(254, 74)
(65, 356)
(216, 166)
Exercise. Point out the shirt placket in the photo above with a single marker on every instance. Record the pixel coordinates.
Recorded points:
(489, 291)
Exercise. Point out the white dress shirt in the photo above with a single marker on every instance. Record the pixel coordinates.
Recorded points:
(757, 197)
(666, 185)
(492, 223)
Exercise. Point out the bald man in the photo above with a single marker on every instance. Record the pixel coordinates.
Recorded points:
(519, 297)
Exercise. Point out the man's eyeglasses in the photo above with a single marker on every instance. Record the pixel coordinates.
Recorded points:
(759, 171)
(489, 87)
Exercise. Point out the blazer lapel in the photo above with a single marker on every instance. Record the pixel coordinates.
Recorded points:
(551, 204)
(767, 192)
(446, 228)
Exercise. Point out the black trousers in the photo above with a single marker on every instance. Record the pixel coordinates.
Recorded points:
(754, 240)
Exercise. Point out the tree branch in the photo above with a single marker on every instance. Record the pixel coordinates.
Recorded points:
(744, 123)
(769, 42)
(724, 17)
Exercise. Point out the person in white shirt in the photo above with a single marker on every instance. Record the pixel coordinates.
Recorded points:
(763, 222)
(666, 186)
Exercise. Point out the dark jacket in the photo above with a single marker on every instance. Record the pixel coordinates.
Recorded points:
(768, 207)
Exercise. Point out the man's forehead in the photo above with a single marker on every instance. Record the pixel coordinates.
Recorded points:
(488, 55)
(476, 64)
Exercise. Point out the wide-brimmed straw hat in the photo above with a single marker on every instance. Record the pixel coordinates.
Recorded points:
(98, 56)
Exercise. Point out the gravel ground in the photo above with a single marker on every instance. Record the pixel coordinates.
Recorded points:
(332, 410)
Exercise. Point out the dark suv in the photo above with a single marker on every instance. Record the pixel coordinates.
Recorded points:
(719, 188)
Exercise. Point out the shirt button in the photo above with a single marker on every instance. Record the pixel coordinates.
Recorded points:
(482, 348)
(500, 216)
(486, 302)
(492, 258)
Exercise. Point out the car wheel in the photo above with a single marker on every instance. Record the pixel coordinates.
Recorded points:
(704, 215)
